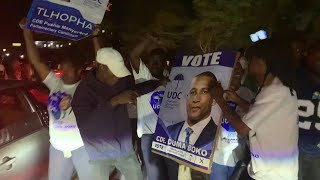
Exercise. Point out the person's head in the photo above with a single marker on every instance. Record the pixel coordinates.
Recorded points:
(71, 65)
(313, 58)
(156, 62)
(200, 99)
(272, 57)
(13, 68)
(110, 65)
(236, 78)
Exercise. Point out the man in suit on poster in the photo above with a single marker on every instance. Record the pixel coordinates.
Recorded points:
(199, 129)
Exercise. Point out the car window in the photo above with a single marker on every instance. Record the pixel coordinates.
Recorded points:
(14, 112)
(40, 99)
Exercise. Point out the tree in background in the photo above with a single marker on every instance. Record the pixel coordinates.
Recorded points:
(211, 24)
(228, 23)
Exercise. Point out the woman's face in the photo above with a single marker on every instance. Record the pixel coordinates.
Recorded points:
(258, 68)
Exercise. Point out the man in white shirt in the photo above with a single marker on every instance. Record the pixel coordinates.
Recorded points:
(272, 120)
(230, 149)
(148, 105)
(67, 150)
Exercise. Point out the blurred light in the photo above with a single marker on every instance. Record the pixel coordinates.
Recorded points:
(254, 37)
(259, 35)
(51, 43)
(45, 45)
(61, 45)
(4, 50)
(22, 56)
(16, 44)
(7, 54)
(262, 34)
(103, 31)
(57, 45)
(57, 73)
(37, 42)
(69, 44)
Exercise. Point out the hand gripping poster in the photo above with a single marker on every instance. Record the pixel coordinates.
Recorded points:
(188, 115)
(70, 19)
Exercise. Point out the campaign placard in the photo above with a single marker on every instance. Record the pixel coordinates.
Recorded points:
(70, 19)
(186, 126)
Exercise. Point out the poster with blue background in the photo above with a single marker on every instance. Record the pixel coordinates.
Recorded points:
(70, 19)
(186, 126)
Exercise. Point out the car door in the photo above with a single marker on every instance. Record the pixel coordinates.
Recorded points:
(24, 142)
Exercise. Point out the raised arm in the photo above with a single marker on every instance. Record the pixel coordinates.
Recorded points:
(136, 53)
(95, 38)
(33, 52)
(233, 118)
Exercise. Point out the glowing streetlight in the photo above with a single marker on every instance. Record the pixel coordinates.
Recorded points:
(103, 31)
(69, 44)
(45, 45)
(4, 50)
(7, 54)
(22, 56)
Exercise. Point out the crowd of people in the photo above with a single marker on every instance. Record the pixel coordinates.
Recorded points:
(277, 127)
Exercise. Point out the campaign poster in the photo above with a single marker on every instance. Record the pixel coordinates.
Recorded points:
(186, 126)
(70, 19)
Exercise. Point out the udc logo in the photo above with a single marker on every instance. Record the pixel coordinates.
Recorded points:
(178, 82)
(156, 100)
(225, 124)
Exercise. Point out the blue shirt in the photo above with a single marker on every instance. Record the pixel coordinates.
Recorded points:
(105, 130)
(309, 120)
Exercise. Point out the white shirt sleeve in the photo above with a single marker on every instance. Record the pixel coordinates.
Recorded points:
(52, 81)
(267, 102)
(143, 75)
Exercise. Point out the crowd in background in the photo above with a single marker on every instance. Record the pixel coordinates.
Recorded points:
(111, 123)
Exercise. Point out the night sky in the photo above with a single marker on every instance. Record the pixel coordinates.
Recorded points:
(11, 13)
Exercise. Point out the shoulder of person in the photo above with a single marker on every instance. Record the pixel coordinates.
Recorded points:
(275, 90)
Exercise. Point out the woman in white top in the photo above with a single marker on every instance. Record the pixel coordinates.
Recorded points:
(271, 121)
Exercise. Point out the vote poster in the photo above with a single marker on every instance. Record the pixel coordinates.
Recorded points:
(187, 104)
(70, 19)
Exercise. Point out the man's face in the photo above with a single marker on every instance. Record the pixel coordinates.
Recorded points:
(313, 62)
(236, 78)
(103, 73)
(156, 66)
(200, 100)
(258, 68)
(69, 74)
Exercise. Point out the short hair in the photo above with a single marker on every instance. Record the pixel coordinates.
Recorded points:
(158, 52)
(278, 57)
(213, 80)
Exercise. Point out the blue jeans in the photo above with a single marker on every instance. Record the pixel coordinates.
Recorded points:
(221, 172)
(61, 168)
(128, 166)
(157, 166)
(309, 167)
